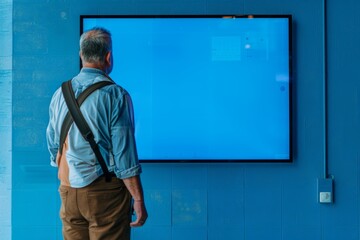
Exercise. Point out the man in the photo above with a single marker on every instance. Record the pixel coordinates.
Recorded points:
(92, 208)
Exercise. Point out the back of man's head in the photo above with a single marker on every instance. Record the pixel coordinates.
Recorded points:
(94, 45)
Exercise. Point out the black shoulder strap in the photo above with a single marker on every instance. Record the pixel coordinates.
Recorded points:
(75, 115)
(68, 119)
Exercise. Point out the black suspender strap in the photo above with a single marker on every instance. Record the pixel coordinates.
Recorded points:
(75, 115)
(68, 119)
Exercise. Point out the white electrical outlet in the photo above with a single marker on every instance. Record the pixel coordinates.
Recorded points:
(325, 197)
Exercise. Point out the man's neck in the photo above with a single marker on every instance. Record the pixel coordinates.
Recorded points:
(94, 65)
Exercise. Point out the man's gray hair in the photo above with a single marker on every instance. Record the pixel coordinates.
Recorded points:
(95, 44)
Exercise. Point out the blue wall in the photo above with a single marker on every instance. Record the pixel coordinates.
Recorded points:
(5, 116)
(200, 201)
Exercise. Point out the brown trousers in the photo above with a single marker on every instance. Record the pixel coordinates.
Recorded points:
(99, 211)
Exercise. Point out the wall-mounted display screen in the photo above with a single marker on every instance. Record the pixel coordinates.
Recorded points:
(205, 88)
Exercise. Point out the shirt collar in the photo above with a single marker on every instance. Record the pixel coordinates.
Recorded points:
(88, 76)
(92, 70)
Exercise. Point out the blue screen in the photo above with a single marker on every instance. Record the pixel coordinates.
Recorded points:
(204, 88)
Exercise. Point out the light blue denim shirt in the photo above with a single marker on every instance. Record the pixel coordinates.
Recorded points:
(109, 113)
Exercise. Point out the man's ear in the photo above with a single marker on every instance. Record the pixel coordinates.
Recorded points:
(108, 58)
(108, 62)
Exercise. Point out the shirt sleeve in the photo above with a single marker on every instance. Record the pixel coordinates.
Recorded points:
(123, 138)
(52, 144)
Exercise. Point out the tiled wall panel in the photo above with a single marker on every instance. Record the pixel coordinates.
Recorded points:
(5, 117)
